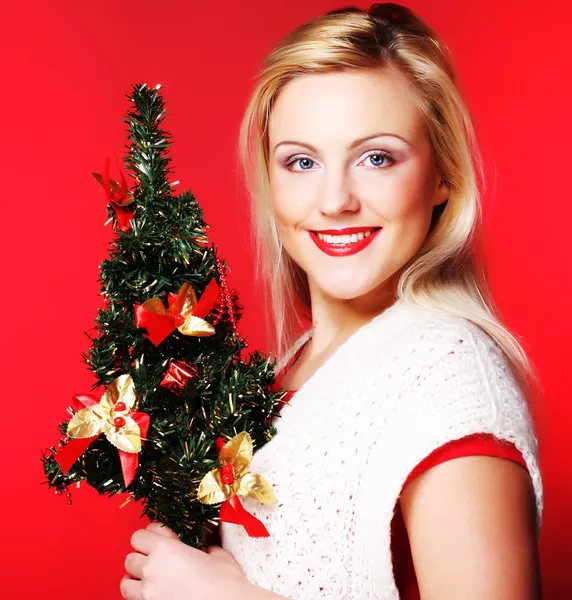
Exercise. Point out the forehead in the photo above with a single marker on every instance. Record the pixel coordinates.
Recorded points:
(338, 107)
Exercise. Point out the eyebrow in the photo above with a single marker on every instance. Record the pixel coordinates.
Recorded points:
(352, 146)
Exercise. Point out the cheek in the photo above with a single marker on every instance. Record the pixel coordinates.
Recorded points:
(290, 219)
(289, 207)
(285, 215)
(406, 211)
(409, 210)
(405, 200)
(282, 213)
(404, 192)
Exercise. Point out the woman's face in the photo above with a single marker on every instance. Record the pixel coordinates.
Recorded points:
(325, 178)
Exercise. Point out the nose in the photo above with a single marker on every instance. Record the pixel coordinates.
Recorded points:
(335, 195)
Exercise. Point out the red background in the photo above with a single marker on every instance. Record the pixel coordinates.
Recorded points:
(67, 67)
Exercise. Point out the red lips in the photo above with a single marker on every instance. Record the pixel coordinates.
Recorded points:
(346, 231)
(344, 249)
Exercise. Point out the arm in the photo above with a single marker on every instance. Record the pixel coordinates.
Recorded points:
(471, 527)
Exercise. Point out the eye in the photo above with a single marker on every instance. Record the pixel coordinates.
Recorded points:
(296, 158)
(382, 158)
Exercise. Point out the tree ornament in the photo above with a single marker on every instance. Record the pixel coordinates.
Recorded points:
(233, 478)
(228, 305)
(112, 416)
(177, 376)
(184, 313)
(118, 196)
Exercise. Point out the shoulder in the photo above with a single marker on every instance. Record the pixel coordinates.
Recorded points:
(453, 380)
(441, 360)
(453, 367)
(434, 328)
(423, 339)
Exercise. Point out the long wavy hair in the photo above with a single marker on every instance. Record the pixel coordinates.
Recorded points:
(447, 274)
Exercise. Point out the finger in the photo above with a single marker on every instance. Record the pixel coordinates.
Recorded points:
(134, 562)
(162, 529)
(130, 589)
(144, 541)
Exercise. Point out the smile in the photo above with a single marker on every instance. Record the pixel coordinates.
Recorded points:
(343, 242)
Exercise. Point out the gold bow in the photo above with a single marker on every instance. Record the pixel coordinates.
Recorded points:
(110, 416)
(184, 313)
(235, 457)
(186, 305)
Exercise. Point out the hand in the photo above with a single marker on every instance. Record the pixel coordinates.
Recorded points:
(164, 568)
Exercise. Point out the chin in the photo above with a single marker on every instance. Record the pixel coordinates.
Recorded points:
(346, 288)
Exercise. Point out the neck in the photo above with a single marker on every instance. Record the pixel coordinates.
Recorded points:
(334, 319)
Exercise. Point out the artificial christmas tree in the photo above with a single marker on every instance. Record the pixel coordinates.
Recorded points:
(183, 403)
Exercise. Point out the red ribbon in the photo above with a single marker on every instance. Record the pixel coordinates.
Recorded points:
(159, 326)
(232, 511)
(123, 213)
(68, 455)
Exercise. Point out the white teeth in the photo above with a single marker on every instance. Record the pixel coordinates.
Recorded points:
(343, 239)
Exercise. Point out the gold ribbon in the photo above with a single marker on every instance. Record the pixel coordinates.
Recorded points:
(234, 477)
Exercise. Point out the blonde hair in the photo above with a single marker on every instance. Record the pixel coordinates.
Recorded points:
(447, 273)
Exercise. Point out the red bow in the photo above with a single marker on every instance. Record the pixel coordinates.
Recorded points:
(232, 511)
(117, 195)
(184, 313)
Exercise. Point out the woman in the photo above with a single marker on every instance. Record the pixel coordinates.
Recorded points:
(360, 156)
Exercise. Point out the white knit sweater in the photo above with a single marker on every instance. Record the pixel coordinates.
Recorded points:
(402, 385)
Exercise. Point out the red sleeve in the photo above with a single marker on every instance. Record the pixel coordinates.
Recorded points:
(477, 444)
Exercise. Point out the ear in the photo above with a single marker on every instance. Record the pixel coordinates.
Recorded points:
(442, 191)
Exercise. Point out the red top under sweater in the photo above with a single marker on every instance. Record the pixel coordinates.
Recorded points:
(478, 444)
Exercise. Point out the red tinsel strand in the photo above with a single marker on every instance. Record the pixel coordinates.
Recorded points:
(228, 300)
(237, 306)
(218, 310)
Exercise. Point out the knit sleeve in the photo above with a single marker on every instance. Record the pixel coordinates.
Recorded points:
(457, 383)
